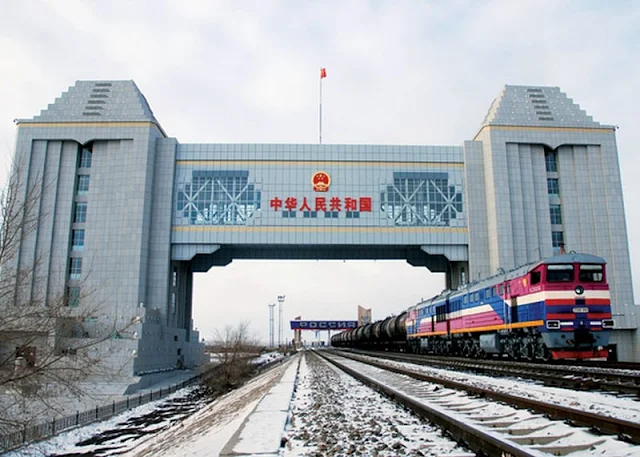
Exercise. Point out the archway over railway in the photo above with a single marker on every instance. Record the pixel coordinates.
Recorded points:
(241, 292)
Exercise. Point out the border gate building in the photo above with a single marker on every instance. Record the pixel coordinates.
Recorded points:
(130, 214)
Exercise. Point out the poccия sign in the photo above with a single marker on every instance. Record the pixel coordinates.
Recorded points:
(323, 325)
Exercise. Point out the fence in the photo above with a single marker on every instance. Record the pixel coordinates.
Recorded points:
(99, 413)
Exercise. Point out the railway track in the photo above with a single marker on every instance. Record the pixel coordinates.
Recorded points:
(494, 423)
(588, 378)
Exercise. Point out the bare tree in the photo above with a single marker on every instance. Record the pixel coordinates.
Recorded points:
(49, 344)
(233, 348)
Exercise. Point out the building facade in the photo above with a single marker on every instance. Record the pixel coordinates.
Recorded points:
(129, 213)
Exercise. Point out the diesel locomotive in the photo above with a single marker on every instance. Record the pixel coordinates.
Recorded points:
(557, 308)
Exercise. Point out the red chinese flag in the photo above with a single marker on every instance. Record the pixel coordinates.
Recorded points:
(323, 73)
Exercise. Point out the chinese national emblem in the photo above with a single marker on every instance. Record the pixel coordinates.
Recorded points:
(320, 181)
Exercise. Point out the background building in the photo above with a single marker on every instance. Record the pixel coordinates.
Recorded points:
(364, 315)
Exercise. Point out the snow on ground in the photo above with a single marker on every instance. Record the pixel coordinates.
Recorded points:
(267, 357)
(625, 408)
(208, 431)
(142, 423)
(331, 414)
(67, 442)
(334, 414)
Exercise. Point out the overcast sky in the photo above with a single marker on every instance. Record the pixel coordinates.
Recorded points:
(398, 72)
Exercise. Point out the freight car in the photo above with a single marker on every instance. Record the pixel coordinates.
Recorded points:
(557, 308)
(386, 334)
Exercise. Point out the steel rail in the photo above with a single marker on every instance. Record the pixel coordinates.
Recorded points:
(480, 441)
(626, 430)
(554, 375)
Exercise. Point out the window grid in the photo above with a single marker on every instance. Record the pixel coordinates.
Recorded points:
(85, 158)
(557, 241)
(551, 161)
(83, 184)
(75, 268)
(218, 198)
(80, 212)
(422, 199)
(555, 212)
(73, 297)
(77, 240)
(553, 188)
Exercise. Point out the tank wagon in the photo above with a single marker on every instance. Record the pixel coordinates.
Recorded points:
(557, 308)
(386, 334)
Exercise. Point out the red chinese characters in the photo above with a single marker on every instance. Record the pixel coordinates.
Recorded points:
(365, 204)
(275, 203)
(327, 204)
(350, 204)
(290, 203)
(305, 206)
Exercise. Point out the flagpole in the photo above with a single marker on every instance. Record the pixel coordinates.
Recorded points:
(320, 105)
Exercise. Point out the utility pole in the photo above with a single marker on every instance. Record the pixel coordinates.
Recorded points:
(280, 303)
(271, 306)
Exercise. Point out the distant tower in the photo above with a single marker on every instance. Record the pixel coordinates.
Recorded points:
(271, 309)
(280, 303)
(364, 315)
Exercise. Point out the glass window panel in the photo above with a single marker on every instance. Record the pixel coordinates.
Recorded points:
(560, 273)
(591, 273)
(556, 214)
(83, 184)
(80, 212)
(422, 199)
(557, 239)
(77, 240)
(85, 158)
(75, 268)
(73, 297)
(550, 161)
(218, 198)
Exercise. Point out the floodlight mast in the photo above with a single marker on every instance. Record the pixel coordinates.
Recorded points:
(271, 309)
(280, 303)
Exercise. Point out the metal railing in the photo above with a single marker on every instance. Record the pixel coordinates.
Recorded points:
(44, 430)
(99, 413)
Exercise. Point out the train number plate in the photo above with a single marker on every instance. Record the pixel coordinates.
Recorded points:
(580, 310)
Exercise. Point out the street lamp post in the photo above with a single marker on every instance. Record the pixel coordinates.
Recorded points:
(280, 303)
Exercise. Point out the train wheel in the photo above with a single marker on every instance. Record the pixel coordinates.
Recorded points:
(529, 351)
(466, 349)
(478, 353)
(546, 354)
(514, 350)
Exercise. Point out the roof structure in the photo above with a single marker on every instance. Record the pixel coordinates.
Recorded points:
(537, 106)
(98, 101)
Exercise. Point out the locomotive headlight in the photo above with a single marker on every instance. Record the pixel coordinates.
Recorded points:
(579, 290)
(553, 325)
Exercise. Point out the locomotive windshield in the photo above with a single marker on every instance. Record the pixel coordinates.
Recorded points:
(591, 273)
(560, 273)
